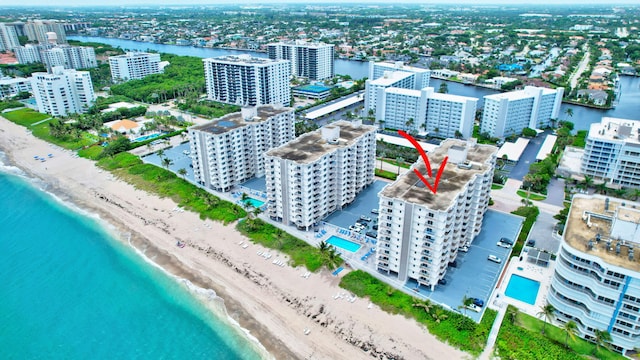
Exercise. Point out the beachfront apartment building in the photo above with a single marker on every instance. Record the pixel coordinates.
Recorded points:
(13, 86)
(62, 91)
(319, 172)
(230, 150)
(8, 37)
(427, 111)
(248, 81)
(69, 57)
(40, 31)
(596, 280)
(507, 114)
(422, 77)
(310, 60)
(420, 232)
(612, 152)
(134, 65)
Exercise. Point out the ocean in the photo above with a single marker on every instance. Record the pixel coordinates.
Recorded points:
(70, 290)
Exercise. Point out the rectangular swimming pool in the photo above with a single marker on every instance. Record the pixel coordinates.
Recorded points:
(255, 203)
(343, 244)
(523, 289)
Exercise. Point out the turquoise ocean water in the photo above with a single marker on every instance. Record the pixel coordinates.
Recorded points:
(68, 290)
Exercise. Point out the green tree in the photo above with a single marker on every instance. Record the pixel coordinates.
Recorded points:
(117, 146)
(444, 88)
(512, 314)
(571, 330)
(182, 172)
(602, 338)
(466, 303)
(569, 112)
(399, 160)
(547, 311)
(439, 315)
(166, 162)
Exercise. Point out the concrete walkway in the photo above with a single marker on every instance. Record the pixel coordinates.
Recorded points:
(495, 329)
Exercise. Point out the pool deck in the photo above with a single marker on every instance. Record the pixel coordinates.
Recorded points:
(534, 272)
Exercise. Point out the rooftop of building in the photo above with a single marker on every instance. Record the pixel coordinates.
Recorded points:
(303, 44)
(131, 54)
(313, 145)
(598, 224)
(401, 67)
(237, 120)
(528, 91)
(450, 97)
(243, 59)
(390, 78)
(410, 188)
(403, 91)
(615, 129)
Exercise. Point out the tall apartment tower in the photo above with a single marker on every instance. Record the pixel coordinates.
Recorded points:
(134, 65)
(248, 81)
(509, 113)
(612, 152)
(8, 37)
(422, 76)
(31, 53)
(36, 30)
(596, 280)
(420, 232)
(230, 150)
(311, 60)
(386, 75)
(70, 57)
(319, 172)
(62, 92)
(427, 111)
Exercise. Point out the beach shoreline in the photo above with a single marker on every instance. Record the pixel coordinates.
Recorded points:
(274, 304)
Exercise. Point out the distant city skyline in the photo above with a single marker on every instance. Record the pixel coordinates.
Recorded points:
(134, 3)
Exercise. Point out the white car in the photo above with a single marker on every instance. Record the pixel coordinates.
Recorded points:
(375, 211)
(463, 249)
(503, 244)
(365, 218)
(494, 258)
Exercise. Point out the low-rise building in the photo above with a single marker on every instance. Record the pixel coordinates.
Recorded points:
(230, 150)
(319, 172)
(13, 86)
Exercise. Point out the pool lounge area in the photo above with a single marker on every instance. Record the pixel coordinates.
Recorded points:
(343, 244)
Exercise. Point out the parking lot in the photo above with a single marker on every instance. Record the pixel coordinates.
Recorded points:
(365, 201)
(179, 159)
(475, 276)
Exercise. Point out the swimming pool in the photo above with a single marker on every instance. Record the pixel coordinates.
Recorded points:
(343, 244)
(254, 202)
(523, 289)
(146, 137)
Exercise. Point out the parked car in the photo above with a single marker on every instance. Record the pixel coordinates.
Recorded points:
(531, 243)
(478, 302)
(375, 211)
(454, 264)
(504, 245)
(463, 249)
(375, 227)
(372, 234)
(362, 222)
(442, 281)
(365, 218)
(506, 241)
(494, 258)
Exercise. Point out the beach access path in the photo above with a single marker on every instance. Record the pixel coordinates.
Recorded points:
(275, 304)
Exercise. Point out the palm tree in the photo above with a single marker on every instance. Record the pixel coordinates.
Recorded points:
(569, 112)
(466, 302)
(546, 312)
(426, 305)
(512, 311)
(399, 160)
(279, 239)
(323, 246)
(571, 330)
(256, 212)
(166, 162)
(382, 155)
(409, 123)
(439, 315)
(602, 337)
(182, 172)
(160, 153)
(211, 201)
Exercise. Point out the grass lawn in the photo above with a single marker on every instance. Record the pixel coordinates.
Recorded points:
(25, 117)
(454, 328)
(164, 183)
(386, 174)
(524, 340)
(92, 152)
(496, 187)
(532, 196)
(395, 163)
(530, 213)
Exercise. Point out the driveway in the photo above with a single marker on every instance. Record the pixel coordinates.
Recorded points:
(528, 157)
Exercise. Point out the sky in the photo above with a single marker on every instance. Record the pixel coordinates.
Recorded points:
(59, 3)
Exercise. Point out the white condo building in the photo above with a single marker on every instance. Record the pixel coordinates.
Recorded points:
(422, 76)
(427, 111)
(37, 30)
(62, 92)
(420, 232)
(134, 65)
(374, 89)
(311, 60)
(69, 57)
(248, 81)
(13, 86)
(30, 53)
(8, 37)
(230, 150)
(319, 172)
(509, 113)
(596, 280)
(612, 152)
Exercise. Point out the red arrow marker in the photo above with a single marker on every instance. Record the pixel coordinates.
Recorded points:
(425, 158)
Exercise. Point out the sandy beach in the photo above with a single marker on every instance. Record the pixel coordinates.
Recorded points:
(275, 304)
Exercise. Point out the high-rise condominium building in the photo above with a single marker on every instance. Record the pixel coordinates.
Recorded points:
(246, 80)
(37, 30)
(420, 232)
(612, 152)
(509, 113)
(70, 57)
(421, 79)
(311, 60)
(596, 281)
(62, 92)
(319, 172)
(134, 65)
(31, 53)
(8, 37)
(384, 75)
(13, 86)
(427, 111)
(230, 150)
